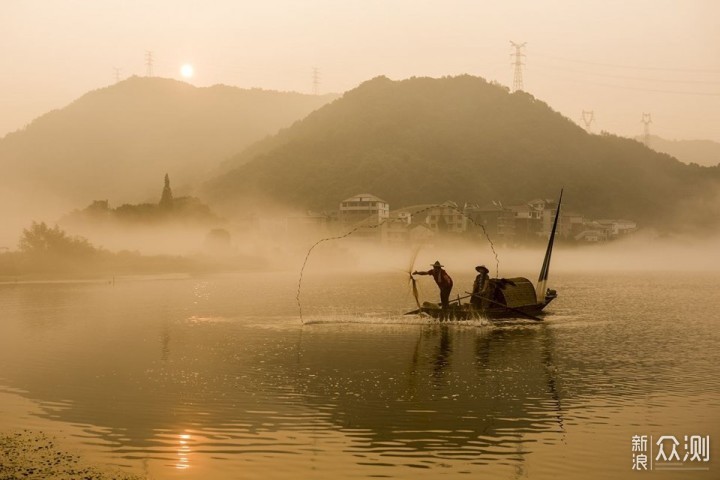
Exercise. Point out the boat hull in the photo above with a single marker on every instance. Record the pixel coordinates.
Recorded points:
(466, 311)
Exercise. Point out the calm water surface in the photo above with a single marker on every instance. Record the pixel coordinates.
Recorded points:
(216, 377)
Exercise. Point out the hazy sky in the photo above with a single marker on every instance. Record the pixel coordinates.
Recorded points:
(619, 58)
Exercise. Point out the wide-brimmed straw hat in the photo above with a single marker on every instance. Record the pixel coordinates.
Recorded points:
(482, 268)
(437, 264)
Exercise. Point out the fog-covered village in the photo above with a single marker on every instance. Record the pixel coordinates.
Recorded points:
(525, 224)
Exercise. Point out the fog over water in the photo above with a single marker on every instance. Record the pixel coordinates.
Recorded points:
(274, 248)
(642, 252)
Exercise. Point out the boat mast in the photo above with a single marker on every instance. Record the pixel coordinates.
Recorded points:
(545, 270)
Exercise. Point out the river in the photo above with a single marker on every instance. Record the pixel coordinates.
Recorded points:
(217, 377)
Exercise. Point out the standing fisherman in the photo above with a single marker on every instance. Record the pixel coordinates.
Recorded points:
(443, 280)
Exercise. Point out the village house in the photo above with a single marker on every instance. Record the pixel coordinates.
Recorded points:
(365, 212)
(618, 228)
(593, 232)
(396, 230)
(512, 225)
(366, 208)
(498, 221)
(528, 224)
(446, 218)
(572, 224)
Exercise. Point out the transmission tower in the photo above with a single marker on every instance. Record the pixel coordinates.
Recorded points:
(117, 74)
(517, 63)
(646, 120)
(588, 117)
(316, 80)
(148, 63)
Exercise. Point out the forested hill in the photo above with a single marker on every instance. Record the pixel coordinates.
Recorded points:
(115, 142)
(426, 140)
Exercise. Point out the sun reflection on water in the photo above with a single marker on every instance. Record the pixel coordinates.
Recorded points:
(183, 452)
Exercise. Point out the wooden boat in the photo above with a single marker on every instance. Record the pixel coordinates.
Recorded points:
(511, 298)
(507, 297)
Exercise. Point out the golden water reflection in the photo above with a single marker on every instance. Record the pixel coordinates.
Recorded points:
(183, 452)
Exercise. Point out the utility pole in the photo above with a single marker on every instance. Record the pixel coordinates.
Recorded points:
(517, 63)
(588, 117)
(316, 80)
(117, 74)
(646, 120)
(148, 63)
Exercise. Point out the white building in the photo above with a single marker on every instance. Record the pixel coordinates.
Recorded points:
(364, 208)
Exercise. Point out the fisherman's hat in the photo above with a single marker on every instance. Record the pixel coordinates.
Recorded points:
(437, 264)
(482, 268)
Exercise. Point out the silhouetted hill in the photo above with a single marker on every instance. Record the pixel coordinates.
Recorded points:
(702, 152)
(115, 142)
(427, 140)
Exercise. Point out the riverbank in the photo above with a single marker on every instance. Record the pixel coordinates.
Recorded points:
(33, 455)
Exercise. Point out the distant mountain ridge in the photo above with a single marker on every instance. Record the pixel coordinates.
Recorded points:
(426, 140)
(701, 152)
(115, 142)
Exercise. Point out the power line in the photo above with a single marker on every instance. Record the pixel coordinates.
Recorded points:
(641, 89)
(633, 67)
(625, 77)
(517, 63)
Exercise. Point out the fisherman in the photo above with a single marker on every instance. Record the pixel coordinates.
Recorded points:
(443, 280)
(481, 286)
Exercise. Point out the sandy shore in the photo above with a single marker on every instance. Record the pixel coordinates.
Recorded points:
(34, 455)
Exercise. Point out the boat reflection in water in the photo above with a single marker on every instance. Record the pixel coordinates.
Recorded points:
(463, 394)
(211, 397)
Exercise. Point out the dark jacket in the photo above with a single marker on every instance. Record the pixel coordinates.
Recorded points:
(442, 278)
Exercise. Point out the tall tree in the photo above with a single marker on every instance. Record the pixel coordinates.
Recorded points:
(40, 239)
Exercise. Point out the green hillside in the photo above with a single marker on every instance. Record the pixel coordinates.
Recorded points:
(425, 140)
(115, 142)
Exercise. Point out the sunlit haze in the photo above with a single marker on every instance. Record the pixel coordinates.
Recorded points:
(618, 59)
(187, 71)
